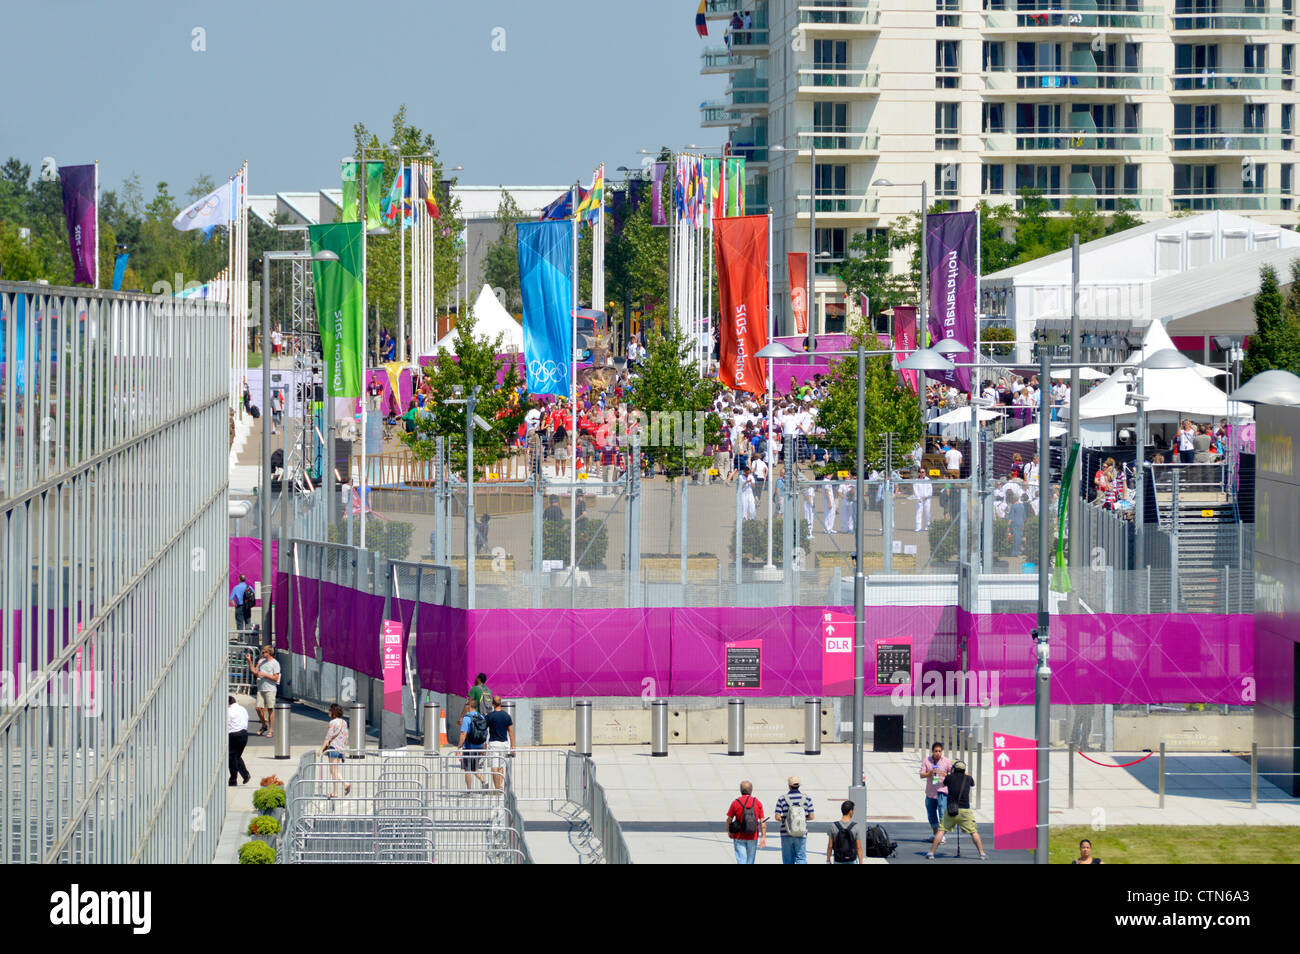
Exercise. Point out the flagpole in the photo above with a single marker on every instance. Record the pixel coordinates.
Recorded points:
(96, 223)
(401, 274)
(365, 318)
(770, 477)
(573, 409)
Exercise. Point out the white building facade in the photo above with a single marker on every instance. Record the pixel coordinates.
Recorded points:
(1159, 106)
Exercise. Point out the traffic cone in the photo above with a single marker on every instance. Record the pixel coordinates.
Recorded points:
(442, 726)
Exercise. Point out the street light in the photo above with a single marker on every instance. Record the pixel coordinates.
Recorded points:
(923, 325)
(472, 421)
(267, 259)
(811, 294)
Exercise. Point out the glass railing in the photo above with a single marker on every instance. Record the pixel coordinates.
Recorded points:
(828, 266)
(847, 140)
(842, 77)
(1137, 200)
(718, 112)
(747, 95)
(838, 204)
(1265, 200)
(1057, 19)
(1076, 77)
(749, 152)
(1254, 140)
(746, 39)
(857, 13)
(719, 59)
(1100, 140)
(1236, 18)
(1185, 80)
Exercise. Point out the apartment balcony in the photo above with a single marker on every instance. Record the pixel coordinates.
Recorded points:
(1237, 83)
(723, 9)
(1136, 200)
(838, 142)
(751, 153)
(1075, 141)
(1230, 19)
(847, 18)
(718, 112)
(1233, 140)
(1265, 200)
(839, 208)
(827, 267)
(750, 42)
(748, 99)
(720, 59)
(1072, 17)
(1082, 78)
(839, 81)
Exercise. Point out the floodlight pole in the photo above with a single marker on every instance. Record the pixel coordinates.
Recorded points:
(1071, 493)
(1043, 672)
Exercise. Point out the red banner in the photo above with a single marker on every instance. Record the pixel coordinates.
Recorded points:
(905, 339)
(798, 265)
(741, 251)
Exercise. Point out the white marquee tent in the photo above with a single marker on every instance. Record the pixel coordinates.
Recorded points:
(490, 319)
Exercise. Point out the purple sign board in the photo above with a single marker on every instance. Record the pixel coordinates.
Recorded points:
(952, 252)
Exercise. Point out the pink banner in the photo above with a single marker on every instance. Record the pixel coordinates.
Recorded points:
(392, 662)
(837, 654)
(1015, 799)
(905, 339)
(246, 558)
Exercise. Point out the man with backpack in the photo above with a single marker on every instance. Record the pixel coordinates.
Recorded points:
(245, 598)
(844, 847)
(794, 810)
(746, 825)
(480, 696)
(473, 738)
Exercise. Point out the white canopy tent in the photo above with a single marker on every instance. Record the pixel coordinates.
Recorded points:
(1172, 395)
(490, 319)
(1030, 432)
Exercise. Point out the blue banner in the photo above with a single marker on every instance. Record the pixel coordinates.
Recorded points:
(546, 286)
(119, 270)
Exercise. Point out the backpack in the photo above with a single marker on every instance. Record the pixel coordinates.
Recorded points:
(747, 822)
(796, 820)
(961, 785)
(485, 701)
(478, 729)
(250, 598)
(878, 843)
(845, 846)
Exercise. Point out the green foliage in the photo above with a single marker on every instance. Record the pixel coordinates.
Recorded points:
(392, 538)
(890, 407)
(668, 383)
(268, 797)
(998, 334)
(636, 255)
(256, 853)
(501, 261)
(474, 365)
(264, 825)
(1276, 341)
(753, 540)
(944, 537)
(867, 270)
(593, 538)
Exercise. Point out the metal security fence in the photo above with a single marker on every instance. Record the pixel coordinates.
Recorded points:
(113, 557)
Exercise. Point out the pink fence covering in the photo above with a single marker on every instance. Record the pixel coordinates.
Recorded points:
(246, 558)
(679, 651)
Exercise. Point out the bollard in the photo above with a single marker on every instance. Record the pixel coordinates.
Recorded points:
(431, 727)
(1071, 750)
(735, 726)
(659, 728)
(582, 726)
(1254, 774)
(357, 729)
(1162, 775)
(812, 726)
(282, 730)
(509, 706)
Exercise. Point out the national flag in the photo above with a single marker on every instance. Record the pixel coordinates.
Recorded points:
(561, 208)
(398, 197)
(430, 200)
(592, 201)
(374, 191)
(215, 208)
(701, 27)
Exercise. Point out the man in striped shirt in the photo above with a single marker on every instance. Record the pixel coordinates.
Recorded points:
(794, 810)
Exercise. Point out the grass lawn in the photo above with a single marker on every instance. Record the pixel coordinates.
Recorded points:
(1180, 844)
(254, 359)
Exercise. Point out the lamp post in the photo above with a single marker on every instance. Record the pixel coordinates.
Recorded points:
(265, 511)
(923, 322)
(811, 297)
(472, 421)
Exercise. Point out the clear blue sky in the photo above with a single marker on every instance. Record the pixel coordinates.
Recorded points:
(282, 81)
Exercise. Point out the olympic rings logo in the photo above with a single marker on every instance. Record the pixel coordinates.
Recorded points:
(542, 374)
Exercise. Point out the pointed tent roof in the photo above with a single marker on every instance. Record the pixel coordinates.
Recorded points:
(1180, 391)
(490, 319)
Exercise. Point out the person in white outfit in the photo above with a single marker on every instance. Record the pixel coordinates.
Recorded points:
(922, 492)
(809, 502)
(828, 521)
(848, 510)
(748, 506)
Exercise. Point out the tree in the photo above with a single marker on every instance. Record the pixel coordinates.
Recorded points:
(501, 263)
(474, 364)
(1276, 341)
(670, 387)
(890, 408)
(867, 271)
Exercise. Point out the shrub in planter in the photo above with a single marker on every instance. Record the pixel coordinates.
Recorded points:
(753, 541)
(264, 825)
(256, 853)
(392, 538)
(555, 542)
(268, 798)
(943, 544)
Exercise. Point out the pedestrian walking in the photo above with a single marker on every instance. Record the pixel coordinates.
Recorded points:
(473, 736)
(934, 769)
(959, 814)
(267, 672)
(828, 521)
(794, 810)
(746, 825)
(480, 695)
(334, 747)
(844, 845)
(243, 597)
(922, 493)
(501, 741)
(237, 732)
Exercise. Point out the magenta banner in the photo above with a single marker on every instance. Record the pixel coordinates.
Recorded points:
(246, 559)
(1015, 796)
(657, 194)
(83, 223)
(952, 251)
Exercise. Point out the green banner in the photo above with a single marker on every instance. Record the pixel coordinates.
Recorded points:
(338, 305)
(374, 192)
(1061, 581)
(736, 185)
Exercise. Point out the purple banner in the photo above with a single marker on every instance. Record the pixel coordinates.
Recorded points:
(79, 209)
(657, 216)
(952, 250)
